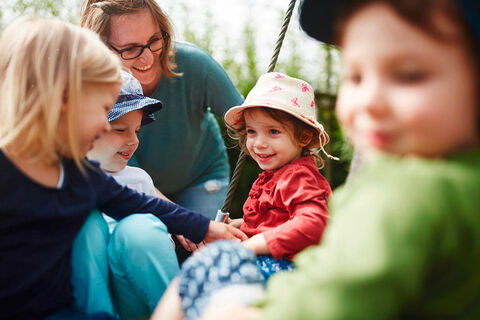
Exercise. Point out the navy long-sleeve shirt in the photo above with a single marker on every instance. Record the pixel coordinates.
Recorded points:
(38, 225)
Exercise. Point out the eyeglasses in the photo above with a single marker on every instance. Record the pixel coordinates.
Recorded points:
(154, 45)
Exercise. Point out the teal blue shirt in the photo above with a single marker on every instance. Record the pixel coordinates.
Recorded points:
(184, 146)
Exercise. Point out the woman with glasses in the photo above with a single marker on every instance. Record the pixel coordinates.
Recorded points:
(183, 151)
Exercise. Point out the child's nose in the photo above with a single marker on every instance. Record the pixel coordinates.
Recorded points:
(260, 142)
(374, 98)
(107, 127)
(132, 139)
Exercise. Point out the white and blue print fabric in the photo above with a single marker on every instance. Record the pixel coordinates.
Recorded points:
(220, 264)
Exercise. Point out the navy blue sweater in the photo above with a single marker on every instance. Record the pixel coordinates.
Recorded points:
(38, 225)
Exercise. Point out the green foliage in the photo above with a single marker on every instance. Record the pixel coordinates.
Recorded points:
(293, 65)
(244, 74)
(41, 8)
(44, 8)
(194, 36)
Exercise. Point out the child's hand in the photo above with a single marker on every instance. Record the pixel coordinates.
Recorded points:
(170, 306)
(257, 244)
(232, 312)
(189, 245)
(218, 230)
(236, 223)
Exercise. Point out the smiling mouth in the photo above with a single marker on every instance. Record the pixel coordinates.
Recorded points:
(379, 139)
(125, 155)
(264, 157)
(143, 68)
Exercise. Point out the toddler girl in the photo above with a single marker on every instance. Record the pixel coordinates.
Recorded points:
(57, 84)
(286, 209)
(403, 242)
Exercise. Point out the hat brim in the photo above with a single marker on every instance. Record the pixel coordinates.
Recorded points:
(151, 106)
(148, 105)
(234, 117)
(317, 19)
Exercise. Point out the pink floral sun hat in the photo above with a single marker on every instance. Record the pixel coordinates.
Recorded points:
(278, 91)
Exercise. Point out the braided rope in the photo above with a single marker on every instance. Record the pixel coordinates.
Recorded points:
(242, 156)
(281, 36)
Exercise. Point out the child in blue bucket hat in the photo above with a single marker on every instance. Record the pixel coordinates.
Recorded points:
(403, 240)
(143, 254)
(113, 150)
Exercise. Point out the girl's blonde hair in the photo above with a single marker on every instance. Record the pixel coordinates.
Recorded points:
(96, 14)
(300, 131)
(44, 65)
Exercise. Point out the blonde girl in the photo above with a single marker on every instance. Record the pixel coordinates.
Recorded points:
(57, 84)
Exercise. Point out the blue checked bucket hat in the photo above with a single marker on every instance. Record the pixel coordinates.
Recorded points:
(131, 98)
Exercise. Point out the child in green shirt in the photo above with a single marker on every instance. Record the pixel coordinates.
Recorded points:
(404, 235)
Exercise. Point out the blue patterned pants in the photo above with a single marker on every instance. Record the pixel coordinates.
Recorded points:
(220, 265)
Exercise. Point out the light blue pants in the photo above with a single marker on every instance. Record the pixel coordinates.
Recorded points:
(205, 198)
(125, 272)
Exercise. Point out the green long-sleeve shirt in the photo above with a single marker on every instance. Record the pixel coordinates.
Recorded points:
(403, 242)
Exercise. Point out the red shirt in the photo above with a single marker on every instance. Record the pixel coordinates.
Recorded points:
(289, 206)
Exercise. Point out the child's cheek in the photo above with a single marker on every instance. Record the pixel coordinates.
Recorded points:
(345, 110)
(249, 144)
(136, 147)
(414, 111)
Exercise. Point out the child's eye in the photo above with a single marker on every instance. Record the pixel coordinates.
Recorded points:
(274, 131)
(352, 77)
(355, 78)
(250, 131)
(119, 130)
(410, 76)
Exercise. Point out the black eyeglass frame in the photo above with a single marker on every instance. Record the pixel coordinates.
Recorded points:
(164, 36)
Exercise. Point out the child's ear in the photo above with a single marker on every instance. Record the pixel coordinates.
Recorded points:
(305, 138)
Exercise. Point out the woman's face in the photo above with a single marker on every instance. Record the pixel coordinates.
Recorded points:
(134, 29)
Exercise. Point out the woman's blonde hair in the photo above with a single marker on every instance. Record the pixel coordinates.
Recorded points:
(44, 65)
(96, 14)
(301, 133)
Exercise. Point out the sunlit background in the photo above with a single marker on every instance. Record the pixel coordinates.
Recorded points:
(241, 35)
